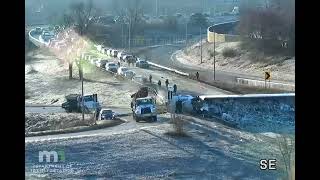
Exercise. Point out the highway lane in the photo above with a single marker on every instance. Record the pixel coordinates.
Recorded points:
(166, 56)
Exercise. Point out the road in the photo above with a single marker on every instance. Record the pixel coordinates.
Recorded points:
(165, 56)
(143, 150)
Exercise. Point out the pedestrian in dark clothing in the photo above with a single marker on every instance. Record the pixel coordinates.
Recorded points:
(119, 64)
(197, 75)
(175, 88)
(159, 83)
(167, 83)
(150, 78)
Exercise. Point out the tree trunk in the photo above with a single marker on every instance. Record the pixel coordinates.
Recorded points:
(70, 70)
(80, 74)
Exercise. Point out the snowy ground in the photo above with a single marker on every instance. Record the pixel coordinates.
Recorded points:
(281, 69)
(212, 152)
(46, 79)
(54, 121)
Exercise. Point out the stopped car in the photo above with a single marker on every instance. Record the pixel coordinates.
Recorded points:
(109, 52)
(46, 35)
(101, 63)
(112, 66)
(129, 58)
(114, 53)
(93, 60)
(129, 74)
(106, 114)
(121, 54)
(38, 30)
(122, 70)
(142, 63)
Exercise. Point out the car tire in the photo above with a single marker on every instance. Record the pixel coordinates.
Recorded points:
(154, 118)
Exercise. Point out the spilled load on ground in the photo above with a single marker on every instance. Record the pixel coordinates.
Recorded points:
(74, 103)
(143, 105)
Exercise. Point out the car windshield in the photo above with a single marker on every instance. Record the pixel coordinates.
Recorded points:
(106, 112)
(144, 101)
(111, 64)
(125, 69)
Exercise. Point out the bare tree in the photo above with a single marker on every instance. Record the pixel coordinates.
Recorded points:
(269, 28)
(131, 14)
(83, 16)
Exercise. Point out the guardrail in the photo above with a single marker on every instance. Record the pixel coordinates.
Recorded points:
(36, 41)
(169, 69)
(261, 83)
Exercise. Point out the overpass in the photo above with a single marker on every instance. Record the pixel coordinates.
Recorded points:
(222, 32)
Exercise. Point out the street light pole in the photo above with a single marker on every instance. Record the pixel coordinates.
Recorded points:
(186, 34)
(214, 56)
(156, 8)
(82, 98)
(130, 35)
(122, 35)
(200, 46)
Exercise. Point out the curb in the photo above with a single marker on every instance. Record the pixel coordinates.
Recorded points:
(116, 122)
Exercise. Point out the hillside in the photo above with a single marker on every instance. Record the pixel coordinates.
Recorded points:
(237, 60)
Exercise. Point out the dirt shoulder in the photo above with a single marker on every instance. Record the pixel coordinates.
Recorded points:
(244, 62)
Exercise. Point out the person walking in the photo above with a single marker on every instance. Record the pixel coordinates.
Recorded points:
(167, 82)
(119, 64)
(159, 83)
(174, 88)
(150, 78)
(197, 75)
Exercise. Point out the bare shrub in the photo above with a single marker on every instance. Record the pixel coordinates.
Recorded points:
(178, 125)
(229, 52)
(211, 53)
(286, 146)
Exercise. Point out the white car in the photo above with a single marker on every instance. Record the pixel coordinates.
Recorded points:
(93, 60)
(114, 53)
(101, 63)
(109, 52)
(112, 66)
(122, 70)
(99, 47)
(120, 55)
(129, 74)
(104, 50)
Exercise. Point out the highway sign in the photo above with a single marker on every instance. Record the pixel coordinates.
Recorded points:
(267, 75)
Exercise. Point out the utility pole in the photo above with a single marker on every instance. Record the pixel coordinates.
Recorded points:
(156, 8)
(122, 44)
(186, 33)
(214, 56)
(82, 98)
(200, 46)
(130, 35)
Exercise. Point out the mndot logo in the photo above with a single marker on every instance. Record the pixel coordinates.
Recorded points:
(58, 156)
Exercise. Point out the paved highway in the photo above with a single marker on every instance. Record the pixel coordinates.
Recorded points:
(165, 55)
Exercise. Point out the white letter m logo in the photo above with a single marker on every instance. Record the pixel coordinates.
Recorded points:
(48, 156)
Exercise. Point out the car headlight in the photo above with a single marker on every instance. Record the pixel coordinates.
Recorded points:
(138, 110)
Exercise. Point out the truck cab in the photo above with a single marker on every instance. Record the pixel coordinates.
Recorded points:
(144, 109)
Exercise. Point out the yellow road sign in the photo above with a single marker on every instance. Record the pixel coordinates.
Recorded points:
(267, 75)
